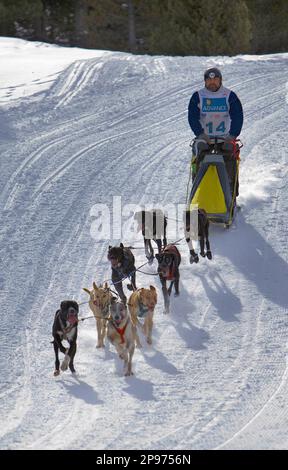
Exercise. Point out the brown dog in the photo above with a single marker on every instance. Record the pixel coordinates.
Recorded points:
(141, 305)
(99, 303)
(121, 333)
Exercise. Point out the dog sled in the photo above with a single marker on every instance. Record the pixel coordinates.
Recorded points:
(215, 181)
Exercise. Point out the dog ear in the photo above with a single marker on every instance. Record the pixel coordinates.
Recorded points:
(106, 285)
(152, 288)
(121, 245)
(63, 305)
(87, 290)
(75, 305)
(94, 286)
(109, 248)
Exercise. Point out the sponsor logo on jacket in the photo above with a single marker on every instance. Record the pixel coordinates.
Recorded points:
(214, 105)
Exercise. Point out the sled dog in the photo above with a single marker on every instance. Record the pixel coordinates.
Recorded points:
(121, 333)
(123, 266)
(99, 303)
(203, 235)
(141, 304)
(65, 327)
(168, 269)
(153, 225)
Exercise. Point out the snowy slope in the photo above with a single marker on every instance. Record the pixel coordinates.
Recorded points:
(115, 125)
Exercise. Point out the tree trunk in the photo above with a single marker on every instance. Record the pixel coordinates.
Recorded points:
(131, 22)
(80, 26)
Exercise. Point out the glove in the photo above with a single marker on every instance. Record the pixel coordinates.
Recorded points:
(228, 143)
(204, 137)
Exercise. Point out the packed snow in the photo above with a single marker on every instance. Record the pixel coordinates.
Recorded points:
(82, 128)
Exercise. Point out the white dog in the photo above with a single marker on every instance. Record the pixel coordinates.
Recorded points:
(121, 333)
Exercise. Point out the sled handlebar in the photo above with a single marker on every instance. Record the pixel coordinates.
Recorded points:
(216, 139)
(220, 140)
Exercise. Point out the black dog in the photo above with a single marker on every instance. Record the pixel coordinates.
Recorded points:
(65, 327)
(123, 265)
(203, 235)
(168, 269)
(153, 225)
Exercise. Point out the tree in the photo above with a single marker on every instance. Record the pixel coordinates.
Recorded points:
(197, 27)
(20, 18)
(58, 21)
(175, 27)
(269, 25)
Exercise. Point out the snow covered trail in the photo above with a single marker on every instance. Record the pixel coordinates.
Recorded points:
(216, 374)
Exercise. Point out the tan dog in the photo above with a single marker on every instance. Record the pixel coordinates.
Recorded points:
(141, 305)
(99, 303)
(121, 333)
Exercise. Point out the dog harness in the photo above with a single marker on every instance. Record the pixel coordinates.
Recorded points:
(121, 331)
(172, 249)
(64, 330)
(171, 273)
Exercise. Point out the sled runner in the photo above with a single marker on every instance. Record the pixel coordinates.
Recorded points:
(215, 182)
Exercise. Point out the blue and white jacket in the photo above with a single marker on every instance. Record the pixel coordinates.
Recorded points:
(216, 113)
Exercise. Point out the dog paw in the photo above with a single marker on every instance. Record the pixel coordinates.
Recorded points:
(56, 373)
(65, 363)
(209, 254)
(194, 259)
(203, 254)
(176, 294)
(150, 259)
(139, 345)
(127, 374)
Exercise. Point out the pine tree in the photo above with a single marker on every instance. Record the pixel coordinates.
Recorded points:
(197, 27)
(58, 21)
(20, 18)
(269, 25)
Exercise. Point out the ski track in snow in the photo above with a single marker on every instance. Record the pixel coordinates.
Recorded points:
(216, 374)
